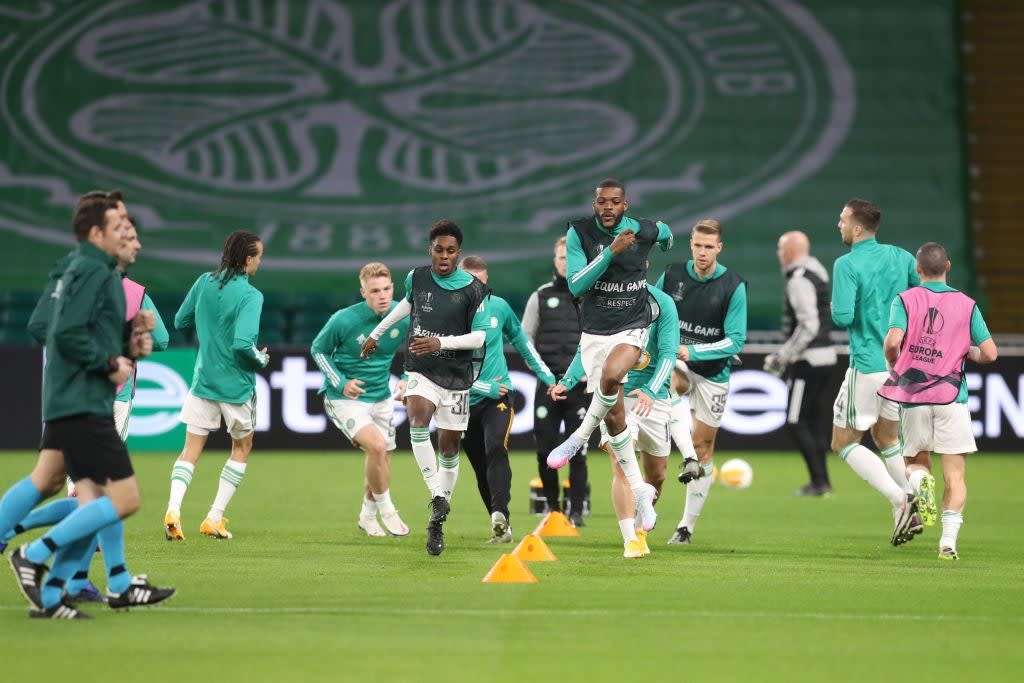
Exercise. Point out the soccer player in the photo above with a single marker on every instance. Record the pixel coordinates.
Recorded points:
(711, 302)
(88, 357)
(933, 329)
(648, 410)
(446, 337)
(225, 309)
(806, 358)
(357, 395)
(552, 324)
(864, 284)
(607, 269)
(490, 408)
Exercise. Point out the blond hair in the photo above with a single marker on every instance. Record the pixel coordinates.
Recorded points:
(561, 242)
(709, 226)
(372, 270)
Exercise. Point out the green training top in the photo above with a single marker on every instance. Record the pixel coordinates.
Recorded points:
(39, 322)
(864, 283)
(734, 326)
(227, 323)
(160, 340)
(663, 345)
(337, 347)
(979, 329)
(503, 324)
(87, 330)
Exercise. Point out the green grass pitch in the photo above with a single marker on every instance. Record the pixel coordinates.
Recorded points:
(774, 587)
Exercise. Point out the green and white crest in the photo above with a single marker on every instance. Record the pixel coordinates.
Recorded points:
(341, 130)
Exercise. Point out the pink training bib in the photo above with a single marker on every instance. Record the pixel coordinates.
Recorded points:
(133, 295)
(930, 365)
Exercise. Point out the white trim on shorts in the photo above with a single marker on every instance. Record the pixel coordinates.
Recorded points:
(202, 416)
(940, 429)
(858, 405)
(351, 416)
(451, 408)
(594, 349)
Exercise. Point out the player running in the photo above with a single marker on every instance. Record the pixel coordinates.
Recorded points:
(864, 284)
(357, 393)
(933, 329)
(225, 309)
(711, 302)
(648, 412)
(446, 337)
(607, 269)
(490, 407)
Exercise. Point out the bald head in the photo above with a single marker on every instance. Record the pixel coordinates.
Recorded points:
(793, 246)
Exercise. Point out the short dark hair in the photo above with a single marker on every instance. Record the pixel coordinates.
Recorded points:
(115, 195)
(91, 209)
(611, 182)
(473, 263)
(932, 259)
(865, 213)
(446, 227)
(238, 247)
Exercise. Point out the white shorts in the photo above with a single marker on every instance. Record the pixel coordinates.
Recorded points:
(122, 415)
(858, 405)
(650, 433)
(452, 407)
(594, 349)
(707, 398)
(351, 416)
(945, 430)
(202, 416)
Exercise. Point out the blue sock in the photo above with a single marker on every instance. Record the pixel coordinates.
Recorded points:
(80, 580)
(16, 503)
(46, 515)
(68, 561)
(81, 524)
(112, 543)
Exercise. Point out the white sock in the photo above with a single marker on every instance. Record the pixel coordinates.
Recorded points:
(448, 474)
(951, 523)
(230, 480)
(622, 447)
(181, 477)
(383, 501)
(915, 478)
(599, 407)
(627, 529)
(897, 466)
(369, 508)
(681, 428)
(867, 465)
(423, 452)
(697, 493)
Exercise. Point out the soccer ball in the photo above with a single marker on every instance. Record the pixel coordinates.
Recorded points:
(736, 474)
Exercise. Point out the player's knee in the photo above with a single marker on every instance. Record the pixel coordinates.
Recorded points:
(127, 502)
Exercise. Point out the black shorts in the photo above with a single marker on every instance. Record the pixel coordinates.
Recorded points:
(91, 446)
(46, 442)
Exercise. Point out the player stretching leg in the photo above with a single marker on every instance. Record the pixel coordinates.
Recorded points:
(357, 395)
(864, 284)
(711, 301)
(648, 410)
(928, 380)
(446, 337)
(225, 310)
(607, 269)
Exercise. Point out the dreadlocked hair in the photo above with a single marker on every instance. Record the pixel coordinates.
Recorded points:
(239, 246)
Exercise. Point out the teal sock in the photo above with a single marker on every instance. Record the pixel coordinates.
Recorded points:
(81, 524)
(45, 515)
(68, 561)
(17, 503)
(112, 542)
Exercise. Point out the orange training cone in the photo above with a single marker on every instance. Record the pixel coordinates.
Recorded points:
(533, 549)
(509, 569)
(556, 524)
